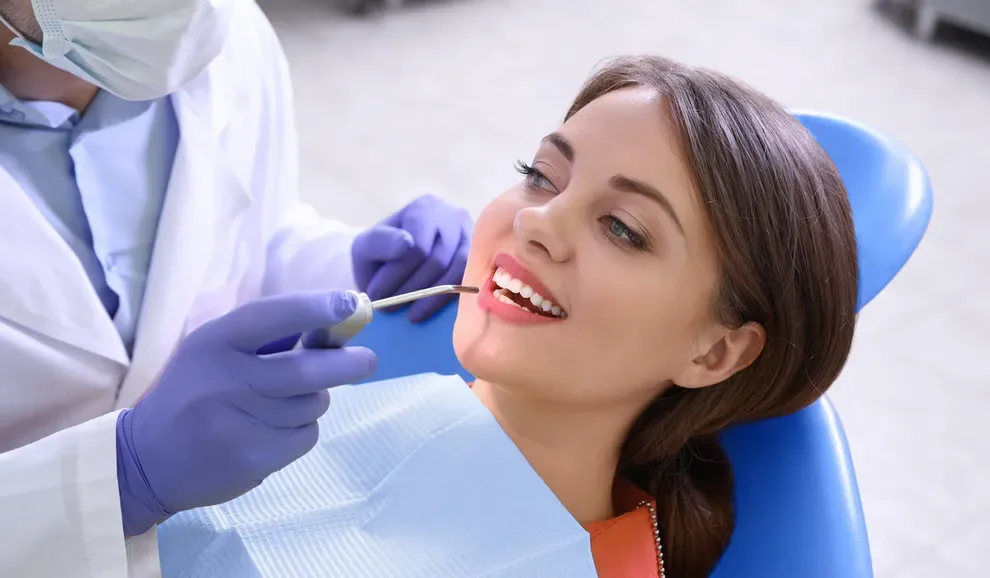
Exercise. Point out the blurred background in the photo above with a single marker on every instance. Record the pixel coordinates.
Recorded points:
(444, 96)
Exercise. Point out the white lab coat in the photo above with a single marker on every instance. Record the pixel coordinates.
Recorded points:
(231, 230)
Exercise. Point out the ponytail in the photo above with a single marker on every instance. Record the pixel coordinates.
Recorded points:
(691, 481)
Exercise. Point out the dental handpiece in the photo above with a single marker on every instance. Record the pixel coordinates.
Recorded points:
(336, 336)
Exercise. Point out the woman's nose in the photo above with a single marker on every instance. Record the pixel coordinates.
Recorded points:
(541, 232)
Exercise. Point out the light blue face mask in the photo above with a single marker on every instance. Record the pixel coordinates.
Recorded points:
(410, 477)
(136, 49)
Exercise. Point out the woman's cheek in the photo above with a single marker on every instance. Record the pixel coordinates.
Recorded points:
(633, 314)
(496, 219)
(476, 270)
(484, 246)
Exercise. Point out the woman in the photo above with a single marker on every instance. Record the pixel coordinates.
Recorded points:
(690, 251)
(679, 258)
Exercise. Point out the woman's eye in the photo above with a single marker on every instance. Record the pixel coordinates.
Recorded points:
(534, 177)
(619, 232)
(538, 180)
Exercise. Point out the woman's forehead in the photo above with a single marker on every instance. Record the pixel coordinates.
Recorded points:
(631, 120)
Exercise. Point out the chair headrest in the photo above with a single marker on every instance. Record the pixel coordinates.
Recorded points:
(889, 191)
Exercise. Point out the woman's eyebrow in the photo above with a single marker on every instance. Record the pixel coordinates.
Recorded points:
(565, 148)
(625, 184)
(620, 182)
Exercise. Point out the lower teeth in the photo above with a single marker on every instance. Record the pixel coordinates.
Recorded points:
(501, 295)
(506, 300)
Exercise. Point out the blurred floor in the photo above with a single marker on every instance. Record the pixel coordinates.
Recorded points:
(444, 96)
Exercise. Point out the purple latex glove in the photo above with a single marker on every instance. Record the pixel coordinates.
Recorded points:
(423, 245)
(223, 417)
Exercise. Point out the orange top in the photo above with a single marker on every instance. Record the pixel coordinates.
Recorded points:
(623, 546)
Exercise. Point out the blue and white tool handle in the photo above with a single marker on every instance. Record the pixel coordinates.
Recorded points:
(336, 336)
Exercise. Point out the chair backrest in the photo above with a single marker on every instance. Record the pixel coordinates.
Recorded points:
(798, 511)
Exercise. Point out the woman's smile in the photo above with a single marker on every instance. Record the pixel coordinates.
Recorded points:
(514, 293)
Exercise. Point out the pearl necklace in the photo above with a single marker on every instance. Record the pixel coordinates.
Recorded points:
(656, 535)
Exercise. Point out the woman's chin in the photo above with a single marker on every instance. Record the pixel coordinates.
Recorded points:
(492, 357)
(486, 358)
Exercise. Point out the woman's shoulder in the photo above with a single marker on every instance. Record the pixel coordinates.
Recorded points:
(625, 546)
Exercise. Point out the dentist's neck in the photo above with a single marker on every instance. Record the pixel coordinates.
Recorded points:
(575, 453)
(30, 78)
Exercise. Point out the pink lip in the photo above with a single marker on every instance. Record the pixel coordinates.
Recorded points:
(514, 268)
(511, 313)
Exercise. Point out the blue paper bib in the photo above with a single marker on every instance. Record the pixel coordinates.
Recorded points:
(411, 477)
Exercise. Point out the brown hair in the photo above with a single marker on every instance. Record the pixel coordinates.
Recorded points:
(783, 227)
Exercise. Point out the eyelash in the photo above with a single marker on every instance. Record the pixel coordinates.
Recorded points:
(613, 228)
(532, 174)
(624, 235)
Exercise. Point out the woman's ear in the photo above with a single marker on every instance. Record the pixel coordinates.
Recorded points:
(728, 351)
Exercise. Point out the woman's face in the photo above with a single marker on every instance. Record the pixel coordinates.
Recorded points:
(606, 225)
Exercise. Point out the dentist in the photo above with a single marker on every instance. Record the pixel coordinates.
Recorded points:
(154, 263)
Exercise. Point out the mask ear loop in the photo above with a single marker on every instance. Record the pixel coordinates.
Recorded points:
(21, 40)
(14, 30)
(53, 42)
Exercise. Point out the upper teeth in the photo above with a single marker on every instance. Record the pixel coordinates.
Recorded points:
(509, 283)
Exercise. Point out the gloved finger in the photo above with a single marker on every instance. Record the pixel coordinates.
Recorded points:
(303, 371)
(278, 451)
(395, 219)
(422, 203)
(454, 275)
(286, 412)
(278, 346)
(258, 323)
(374, 247)
(391, 275)
(429, 273)
(436, 263)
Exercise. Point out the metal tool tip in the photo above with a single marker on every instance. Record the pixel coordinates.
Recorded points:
(421, 294)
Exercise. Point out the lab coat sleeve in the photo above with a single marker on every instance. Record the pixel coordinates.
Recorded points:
(305, 252)
(60, 509)
(309, 253)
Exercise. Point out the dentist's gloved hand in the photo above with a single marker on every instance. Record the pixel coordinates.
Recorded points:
(222, 417)
(423, 245)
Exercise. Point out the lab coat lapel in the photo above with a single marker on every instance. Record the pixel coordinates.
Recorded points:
(43, 287)
(203, 193)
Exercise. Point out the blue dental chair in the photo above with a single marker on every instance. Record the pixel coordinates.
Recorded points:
(798, 511)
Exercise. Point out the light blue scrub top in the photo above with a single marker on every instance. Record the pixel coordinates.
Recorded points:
(100, 180)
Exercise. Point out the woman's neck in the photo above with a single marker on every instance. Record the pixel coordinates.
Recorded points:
(575, 452)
